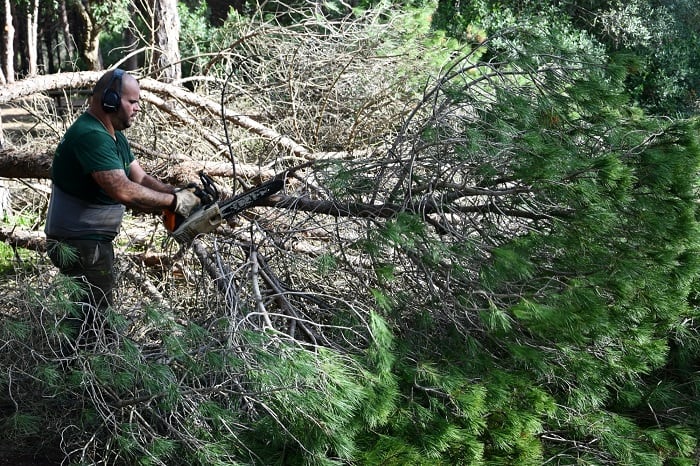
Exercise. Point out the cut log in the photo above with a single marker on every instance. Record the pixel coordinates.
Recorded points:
(16, 164)
(151, 87)
(37, 165)
(33, 240)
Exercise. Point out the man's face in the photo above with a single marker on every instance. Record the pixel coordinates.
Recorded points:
(129, 106)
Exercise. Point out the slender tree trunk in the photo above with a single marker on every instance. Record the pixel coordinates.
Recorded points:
(20, 20)
(167, 51)
(49, 55)
(9, 38)
(68, 42)
(32, 37)
(9, 34)
(131, 42)
(92, 52)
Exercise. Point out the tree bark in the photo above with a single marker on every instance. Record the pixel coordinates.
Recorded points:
(50, 55)
(32, 37)
(14, 164)
(167, 37)
(34, 240)
(65, 30)
(131, 43)
(44, 83)
(90, 47)
(9, 38)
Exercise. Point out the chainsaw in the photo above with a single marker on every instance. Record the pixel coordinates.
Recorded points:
(212, 211)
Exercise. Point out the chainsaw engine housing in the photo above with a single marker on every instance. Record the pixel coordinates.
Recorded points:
(202, 221)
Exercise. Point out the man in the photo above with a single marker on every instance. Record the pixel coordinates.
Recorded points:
(95, 177)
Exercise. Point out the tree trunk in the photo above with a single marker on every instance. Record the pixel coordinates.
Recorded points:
(67, 36)
(20, 13)
(8, 60)
(32, 37)
(131, 42)
(167, 36)
(15, 164)
(92, 51)
(49, 55)
(90, 47)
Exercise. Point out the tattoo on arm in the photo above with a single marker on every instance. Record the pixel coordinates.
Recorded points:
(120, 188)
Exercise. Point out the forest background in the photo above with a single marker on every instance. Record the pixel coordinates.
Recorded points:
(485, 252)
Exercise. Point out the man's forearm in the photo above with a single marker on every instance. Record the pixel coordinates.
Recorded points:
(152, 183)
(140, 196)
(150, 200)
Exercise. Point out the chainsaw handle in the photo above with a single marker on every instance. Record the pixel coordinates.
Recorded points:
(207, 193)
(171, 220)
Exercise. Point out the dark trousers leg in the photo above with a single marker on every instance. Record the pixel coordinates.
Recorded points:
(91, 263)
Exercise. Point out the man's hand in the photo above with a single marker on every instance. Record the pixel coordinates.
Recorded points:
(186, 201)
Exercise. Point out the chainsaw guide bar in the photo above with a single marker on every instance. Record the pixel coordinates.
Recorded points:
(209, 217)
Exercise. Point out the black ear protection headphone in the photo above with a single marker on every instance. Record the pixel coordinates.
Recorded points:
(111, 99)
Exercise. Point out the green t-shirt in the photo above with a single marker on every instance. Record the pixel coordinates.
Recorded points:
(87, 147)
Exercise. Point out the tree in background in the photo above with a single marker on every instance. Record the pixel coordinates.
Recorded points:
(32, 37)
(8, 43)
(166, 41)
(661, 35)
(71, 34)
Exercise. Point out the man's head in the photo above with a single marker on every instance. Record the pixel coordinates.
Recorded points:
(115, 98)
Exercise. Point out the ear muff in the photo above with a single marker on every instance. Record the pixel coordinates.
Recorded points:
(112, 98)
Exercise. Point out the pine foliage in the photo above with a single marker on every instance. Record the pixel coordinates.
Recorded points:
(521, 287)
(552, 275)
